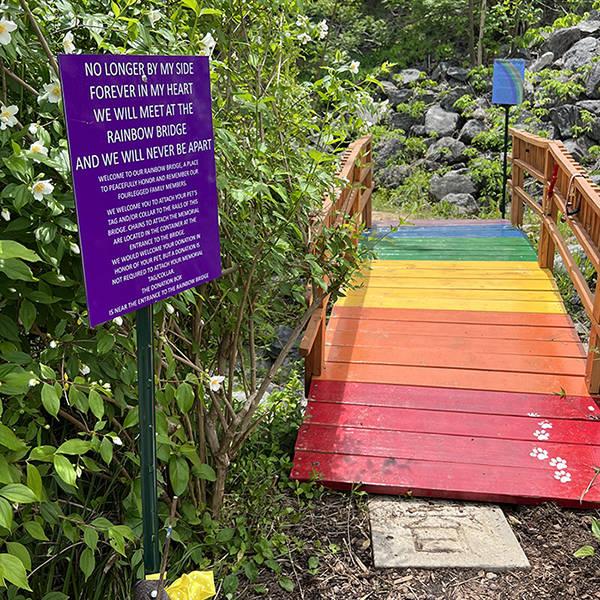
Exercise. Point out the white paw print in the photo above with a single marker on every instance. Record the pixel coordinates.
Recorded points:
(559, 463)
(533, 415)
(592, 408)
(562, 476)
(541, 435)
(539, 453)
(545, 425)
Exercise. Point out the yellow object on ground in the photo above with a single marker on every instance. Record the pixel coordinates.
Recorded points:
(196, 585)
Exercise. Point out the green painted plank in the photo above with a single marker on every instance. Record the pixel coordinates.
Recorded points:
(459, 256)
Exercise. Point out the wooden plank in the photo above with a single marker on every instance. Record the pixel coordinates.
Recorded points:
(454, 255)
(465, 265)
(452, 242)
(380, 270)
(457, 480)
(461, 355)
(466, 379)
(536, 406)
(456, 231)
(454, 283)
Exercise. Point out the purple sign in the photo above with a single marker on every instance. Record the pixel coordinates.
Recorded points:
(142, 153)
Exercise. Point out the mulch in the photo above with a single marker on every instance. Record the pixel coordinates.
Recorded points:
(335, 529)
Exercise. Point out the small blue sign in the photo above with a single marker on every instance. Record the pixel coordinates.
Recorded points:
(509, 76)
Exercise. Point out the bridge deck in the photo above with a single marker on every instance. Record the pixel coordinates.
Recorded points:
(454, 371)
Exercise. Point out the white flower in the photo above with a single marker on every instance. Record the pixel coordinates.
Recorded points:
(33, 382)
(354, 66)
(322, 28)
(106, 386)
(559, 463)
(7, 116)
(5, 28)
(74, 248)
(118, 321)
(53, 344)
(545, 425)
(170, 309)
(85, 370)
(117, 441)
(539, 453)
(303, 38)
(39, 147)
(562, 476)
(215, 382)
(533, 415)
(61, 277)
(68, 44)
(154, 16)
(42, 188)
(5, 215)
(53, 91)
(33, 128)
(541, 435)
(78, 471)
(208, 45)
(301, 21)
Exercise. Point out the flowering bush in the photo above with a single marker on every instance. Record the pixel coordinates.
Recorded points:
(70, 517)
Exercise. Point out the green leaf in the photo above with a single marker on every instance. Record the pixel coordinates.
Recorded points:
(585, 551)
(273, 565)
(35, 530)
(8, 329)
(286, 584)
(207, 472)
(6, 514)
(102, 524)
(17, 492)
(50, 399)
(13, 570)
(12, 249)
(65, 470)
(596, 527)
(313, 562)
(115, 9)
(27, 314)
(106, 344)
(10, 440)
(96, 404)
(87, 563)
(34, 481)
(106, 450)
(116, 540)
(251, 571)
(18, 550)
(74, 447)
(179, 474)
(55, 596)
(90, 537)
(14, 268)
(184, 397)
(191, 4)
(132, 418)
(225, 535)
(230, 584)
(44, 453)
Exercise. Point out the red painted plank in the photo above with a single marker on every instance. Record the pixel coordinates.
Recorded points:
(403, 445)
(454, 378)
(499, 427)
(544, 406)
(425, 346)
(455, 480)
(487, 331)
(453, 316)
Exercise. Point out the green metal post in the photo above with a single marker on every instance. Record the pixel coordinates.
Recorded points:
(145, 352)
(503, 202)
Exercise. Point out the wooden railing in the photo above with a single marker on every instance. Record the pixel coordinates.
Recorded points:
(353, 201)
(568, 194)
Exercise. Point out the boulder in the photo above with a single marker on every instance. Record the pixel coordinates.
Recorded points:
(580, 54)
(543, 62)
(592, 106)
(426, 96)
(440, 71)
(402, 121)
(565, 117)
(418, 131)
(283, 334)
(394, 176)
(458, 73)
(561, 40)
(447, 150)
(452, 96)
(395, 95)
(440, 121)
(471, 129)
(578, 148)
(465, 204)
(410, 75)
(588, 27)
(592, 82)
(450, 183)
(387, 150)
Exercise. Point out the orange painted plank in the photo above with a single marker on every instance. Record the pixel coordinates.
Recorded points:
(468, 379)
(465, 358)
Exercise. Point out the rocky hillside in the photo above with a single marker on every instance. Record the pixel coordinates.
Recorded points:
(443, 129)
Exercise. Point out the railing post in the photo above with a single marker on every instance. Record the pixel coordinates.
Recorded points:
(592, 368)
(367, 210)
(546, 246)
(518, 178)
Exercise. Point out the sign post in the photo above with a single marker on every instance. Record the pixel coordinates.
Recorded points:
(507, 90)
(142, 156)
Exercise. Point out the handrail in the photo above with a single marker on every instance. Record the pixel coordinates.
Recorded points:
(354, 201)
(571, 195)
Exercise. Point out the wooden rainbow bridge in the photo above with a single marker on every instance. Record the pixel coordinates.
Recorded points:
(454, 370)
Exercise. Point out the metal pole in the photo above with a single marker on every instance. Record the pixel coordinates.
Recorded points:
(145, 354)
(503, 202)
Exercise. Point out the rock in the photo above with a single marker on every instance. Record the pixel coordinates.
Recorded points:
(524, 53)
(471, 129)
(387, 150)
(418, 130)
(395, 95)
(595, 132)
(580, 54)
(479, 113)
(426, 96)
(452, 96)
(465, 204)
(592, 82)
(440, 121)
(394, 176)
(402, 121)
(410, 75)
(458, 73)
(450, 183)
(588, 27)
(440, 71)
(543, 62)
(595, 179)
(447, 150)
(283, 335)
(566, 117)
(580, 256)
(578, 148)
(592, 106)
(561, 40)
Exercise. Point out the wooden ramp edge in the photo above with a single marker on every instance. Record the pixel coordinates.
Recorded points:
(453, 371)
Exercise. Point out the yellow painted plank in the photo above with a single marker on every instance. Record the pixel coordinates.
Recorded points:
(455, 304)
(457, 283)
(461, 265)
(377, 270)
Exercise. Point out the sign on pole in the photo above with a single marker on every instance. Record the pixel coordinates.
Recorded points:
(142, 152)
